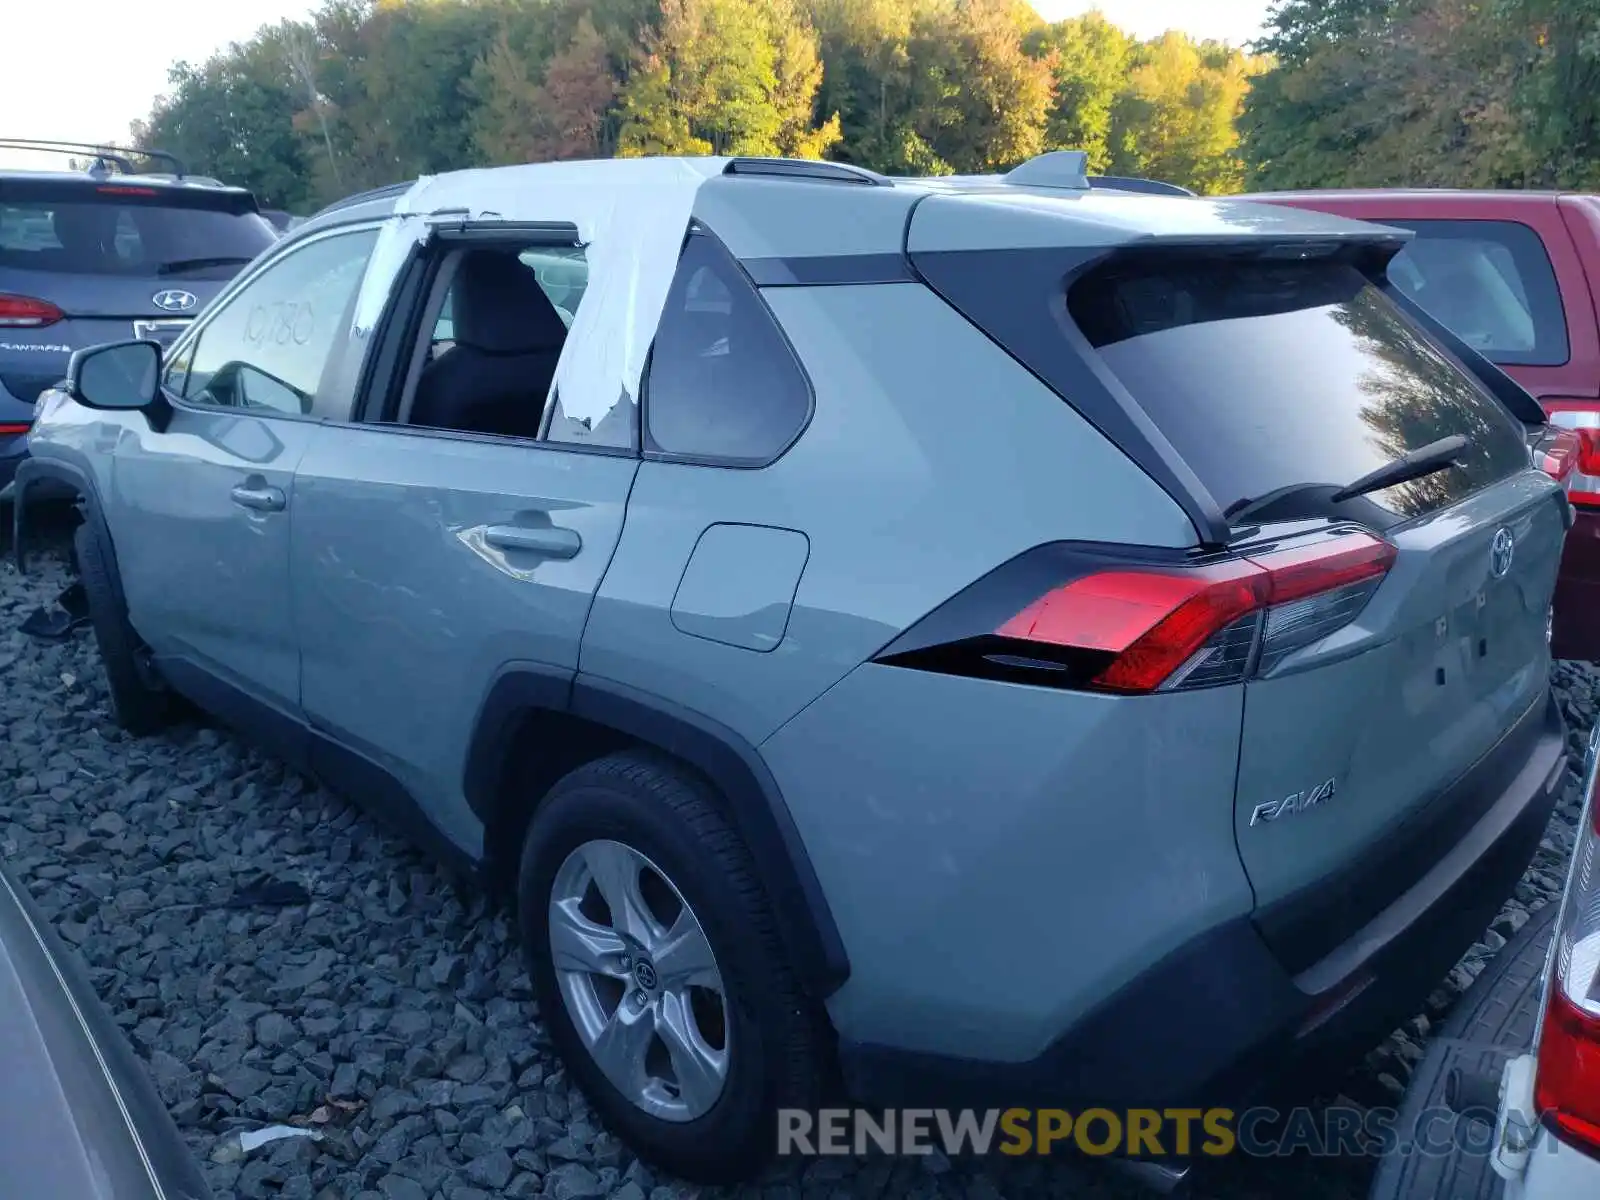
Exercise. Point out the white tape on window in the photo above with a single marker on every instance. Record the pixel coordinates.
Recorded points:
(631, 216)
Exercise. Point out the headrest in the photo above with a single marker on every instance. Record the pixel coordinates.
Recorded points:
(499, 307)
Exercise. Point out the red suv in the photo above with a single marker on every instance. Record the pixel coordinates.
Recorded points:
(1515, 276)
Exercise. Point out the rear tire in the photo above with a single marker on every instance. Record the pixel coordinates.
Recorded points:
(136, 705)
(1492, 1023)
(657, 818)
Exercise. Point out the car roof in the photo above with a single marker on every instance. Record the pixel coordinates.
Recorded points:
(797, 208)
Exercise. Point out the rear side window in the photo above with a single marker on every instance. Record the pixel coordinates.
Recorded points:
(723, 384)
(1265, 375)
(83, 232)
(1488, 282)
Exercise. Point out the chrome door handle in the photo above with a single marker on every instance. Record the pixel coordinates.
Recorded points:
(259, 497)
(552, 541)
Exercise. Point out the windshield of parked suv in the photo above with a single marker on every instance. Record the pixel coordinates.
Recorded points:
(1267, 374)
(90, 233)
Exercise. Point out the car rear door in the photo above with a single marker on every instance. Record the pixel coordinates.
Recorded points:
(201, 509)
(425, 559)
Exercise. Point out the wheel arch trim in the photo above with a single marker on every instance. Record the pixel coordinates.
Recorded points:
(753, 801)
(34, 470)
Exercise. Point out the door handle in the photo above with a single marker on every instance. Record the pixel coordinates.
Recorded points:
(552, 541)
(260, 497)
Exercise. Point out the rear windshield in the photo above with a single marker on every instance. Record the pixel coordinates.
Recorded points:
(111, 234)
(1263, 375)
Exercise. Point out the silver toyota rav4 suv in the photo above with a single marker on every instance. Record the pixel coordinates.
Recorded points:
(976, 642)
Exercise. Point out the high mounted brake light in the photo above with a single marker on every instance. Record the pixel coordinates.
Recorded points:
(27, 312)
(1567, 1080)
(1146, 627)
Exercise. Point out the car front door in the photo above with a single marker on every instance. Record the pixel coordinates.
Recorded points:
(202, 508)
(426, 558)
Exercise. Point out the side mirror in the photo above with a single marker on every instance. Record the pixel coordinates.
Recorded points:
(122, 376)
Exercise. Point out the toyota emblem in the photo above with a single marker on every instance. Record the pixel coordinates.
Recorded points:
(1500, 553)
(175, 300)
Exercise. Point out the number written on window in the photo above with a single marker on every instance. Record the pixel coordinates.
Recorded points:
(269, 344)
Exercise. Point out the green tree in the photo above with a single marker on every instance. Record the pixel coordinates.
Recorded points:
(394, 81)
(233, 117)
(1559, 93)
(1090, 59)
(1306, 113)
(726, 77)
(560, 114)
(1412, 92)
(998, 95)
(1175, 120)
(885, 77)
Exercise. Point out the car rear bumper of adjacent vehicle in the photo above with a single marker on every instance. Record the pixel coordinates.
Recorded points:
(1218, 1021)
(1577, 598)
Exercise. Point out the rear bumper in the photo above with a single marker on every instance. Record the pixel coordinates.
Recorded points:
(1217, 1021)
(1577, 597)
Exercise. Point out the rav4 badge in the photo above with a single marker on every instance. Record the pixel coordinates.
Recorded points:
(1296, 802)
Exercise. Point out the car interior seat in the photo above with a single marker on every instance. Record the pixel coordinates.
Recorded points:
(507, 340)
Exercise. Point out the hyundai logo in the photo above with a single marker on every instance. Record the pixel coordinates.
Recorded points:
(174, 300)
(1500, 553)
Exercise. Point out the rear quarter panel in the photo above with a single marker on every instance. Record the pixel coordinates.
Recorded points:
(931, 458)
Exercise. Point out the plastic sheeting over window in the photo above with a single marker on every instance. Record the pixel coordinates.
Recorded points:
(631, 215)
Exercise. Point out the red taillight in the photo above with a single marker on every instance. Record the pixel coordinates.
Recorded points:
(13, 428)
(1560, 453)
(122, 189)
(27, 312)
(1567, 1077)
(1176, 626)
(1588, 460)
(1577, 426)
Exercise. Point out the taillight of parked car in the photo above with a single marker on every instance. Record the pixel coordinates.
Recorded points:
(27, 312)
(1065, 617)
(1557, 452)
(1582, 419)
(1567, 1079)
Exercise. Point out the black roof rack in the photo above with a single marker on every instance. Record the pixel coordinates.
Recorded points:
(377, 193)
(121, 156)
(806, 168)
(1127, 183)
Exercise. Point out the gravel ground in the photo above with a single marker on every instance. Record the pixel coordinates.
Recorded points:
(390, 1010)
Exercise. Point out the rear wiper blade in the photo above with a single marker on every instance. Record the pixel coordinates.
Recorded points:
(1414, 464)
(195, 264)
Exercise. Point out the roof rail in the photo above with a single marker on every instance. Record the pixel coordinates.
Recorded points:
(1127, 183)
(806, 168)
(1053, 169)
(377, 193)
(121, 156)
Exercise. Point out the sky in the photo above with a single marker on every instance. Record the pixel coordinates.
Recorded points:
(90, 68)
